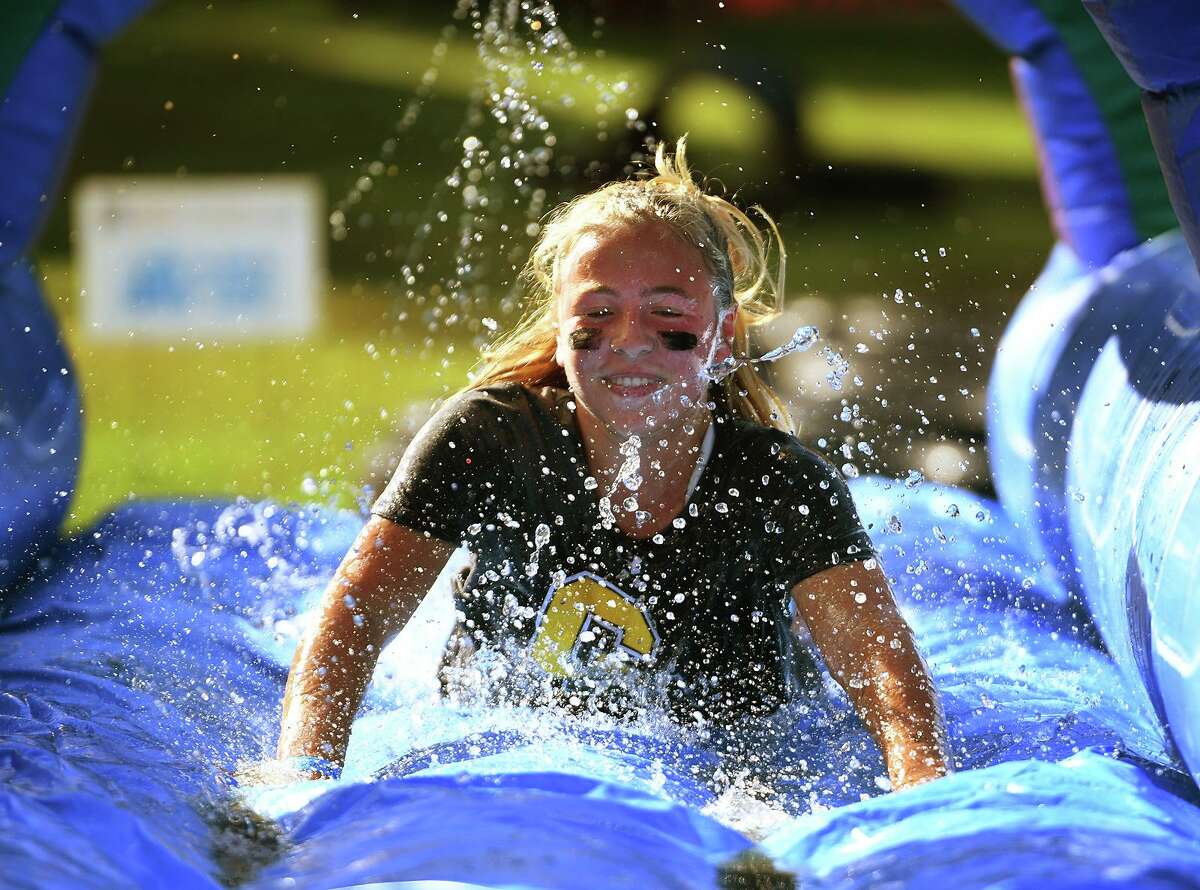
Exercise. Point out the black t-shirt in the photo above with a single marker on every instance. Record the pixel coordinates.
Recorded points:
(702, 607)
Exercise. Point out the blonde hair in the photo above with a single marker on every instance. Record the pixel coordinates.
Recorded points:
(735, 253)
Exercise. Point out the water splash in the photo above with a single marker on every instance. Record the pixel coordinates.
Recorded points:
(541, 537)
(801, 341)
(804, 337)
(630, 473)
(488, 205)
(629, 477)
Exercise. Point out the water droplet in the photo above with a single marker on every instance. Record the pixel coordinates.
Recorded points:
(606, 512)
(803, 339)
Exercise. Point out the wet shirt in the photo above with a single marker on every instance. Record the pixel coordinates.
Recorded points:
(702, 607)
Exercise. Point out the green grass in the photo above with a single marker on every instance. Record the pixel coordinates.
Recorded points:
(254, 420)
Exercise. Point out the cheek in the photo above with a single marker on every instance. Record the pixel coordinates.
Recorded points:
(578, 351)
(693, 337)
(584, 340)
(679, 341)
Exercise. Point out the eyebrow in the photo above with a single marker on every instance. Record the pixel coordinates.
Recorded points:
(664, 290)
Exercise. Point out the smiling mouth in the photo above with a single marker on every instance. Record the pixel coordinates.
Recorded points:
(632, 385)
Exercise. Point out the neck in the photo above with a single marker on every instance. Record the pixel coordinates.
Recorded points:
(667, 457)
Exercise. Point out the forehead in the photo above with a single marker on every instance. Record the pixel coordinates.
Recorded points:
(633, 259)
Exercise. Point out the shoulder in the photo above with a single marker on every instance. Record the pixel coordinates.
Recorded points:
(498, 404)
(505, 418)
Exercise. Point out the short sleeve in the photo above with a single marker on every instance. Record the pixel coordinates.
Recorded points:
(816, 524)
(451, 474)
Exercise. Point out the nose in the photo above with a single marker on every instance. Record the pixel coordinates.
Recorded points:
(630, 338)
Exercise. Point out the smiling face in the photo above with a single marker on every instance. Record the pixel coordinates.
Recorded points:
(637, 326)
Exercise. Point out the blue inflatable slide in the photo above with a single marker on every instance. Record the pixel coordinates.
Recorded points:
(142, 662)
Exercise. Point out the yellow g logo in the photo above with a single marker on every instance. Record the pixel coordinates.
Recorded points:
(574, 607)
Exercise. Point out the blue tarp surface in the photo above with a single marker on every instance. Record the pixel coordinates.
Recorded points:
(146, 661)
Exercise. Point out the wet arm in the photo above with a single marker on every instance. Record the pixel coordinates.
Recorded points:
(374, 592)
(870, 650)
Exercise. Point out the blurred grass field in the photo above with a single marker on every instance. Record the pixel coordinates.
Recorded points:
(290, 420)
(262, 87)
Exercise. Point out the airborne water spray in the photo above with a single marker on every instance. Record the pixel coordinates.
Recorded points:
(459, 260)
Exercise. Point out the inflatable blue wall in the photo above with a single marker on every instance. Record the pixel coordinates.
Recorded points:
(1095, 393)
(42, 104)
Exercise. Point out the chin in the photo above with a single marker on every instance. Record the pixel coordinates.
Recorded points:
(626, 424)
(641, 420)
(639, 414)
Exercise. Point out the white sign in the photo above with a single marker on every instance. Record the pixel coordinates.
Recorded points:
(206, 257)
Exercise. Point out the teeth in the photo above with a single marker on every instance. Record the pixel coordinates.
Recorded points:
(632, 381)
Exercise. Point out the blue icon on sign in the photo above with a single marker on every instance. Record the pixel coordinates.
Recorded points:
(169, 282)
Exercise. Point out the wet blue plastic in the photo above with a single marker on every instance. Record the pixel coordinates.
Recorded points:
(149, 659)
(40, 424)
(1133, 462)
(1108, 482)
(1041, 363)
(1105, 488)
(1086, 821)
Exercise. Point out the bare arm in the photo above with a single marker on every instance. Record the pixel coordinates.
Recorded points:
(374, 592)
(869, 648)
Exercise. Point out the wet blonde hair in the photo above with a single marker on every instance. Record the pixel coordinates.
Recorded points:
(735, 253)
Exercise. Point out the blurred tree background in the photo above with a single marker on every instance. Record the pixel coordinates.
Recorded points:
(884, 139)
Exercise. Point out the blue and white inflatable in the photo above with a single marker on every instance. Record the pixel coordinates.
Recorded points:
(141, 664)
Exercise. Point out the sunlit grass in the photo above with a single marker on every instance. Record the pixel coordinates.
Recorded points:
(945, 130)
(251, 420)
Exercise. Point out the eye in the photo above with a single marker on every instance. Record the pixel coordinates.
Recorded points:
(666, 312)
(596, 313)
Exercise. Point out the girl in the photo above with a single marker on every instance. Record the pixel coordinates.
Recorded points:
(638, 522)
